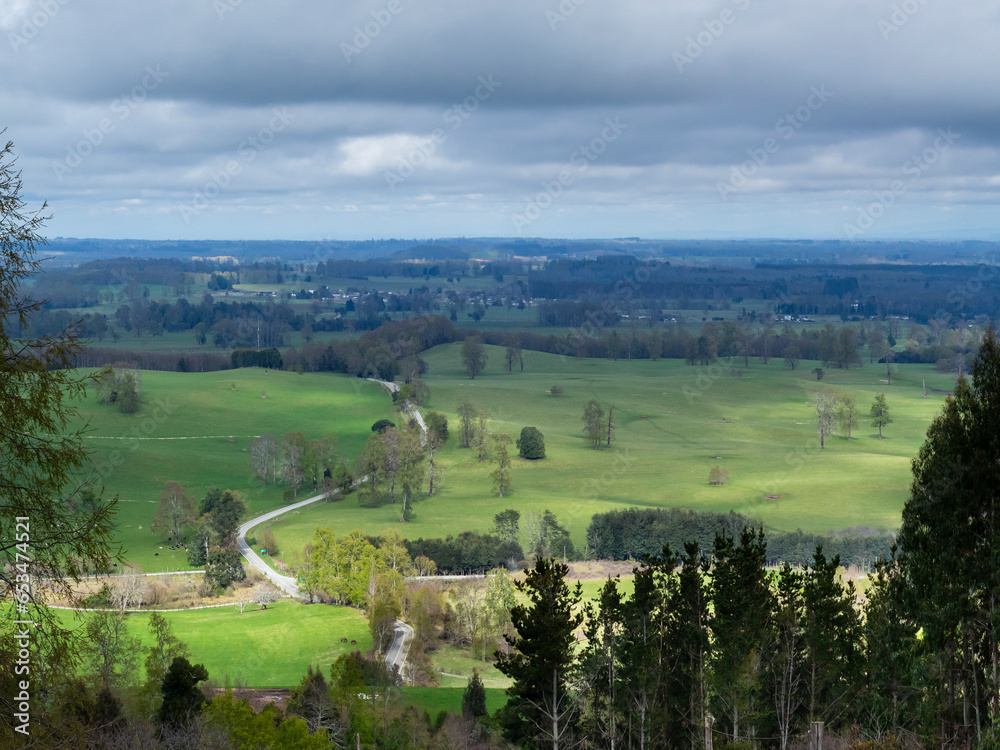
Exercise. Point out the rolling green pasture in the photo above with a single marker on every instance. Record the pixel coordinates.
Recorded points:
(263, 648)
(194, 429)
(675, 422)
(457, 665)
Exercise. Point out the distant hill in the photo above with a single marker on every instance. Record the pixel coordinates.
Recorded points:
(432, 252)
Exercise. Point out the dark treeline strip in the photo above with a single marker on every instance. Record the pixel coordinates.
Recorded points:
(391, 349)
(469, 552)
(634, 533)
(78, 287)
(225, 323)
(197, 362)
(739, 341)
(381, 268)
(388, 351)
(267, 358)
(826, 289)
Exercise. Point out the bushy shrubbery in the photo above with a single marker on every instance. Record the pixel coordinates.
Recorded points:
(437, 424)
(531, 444)
(120, 386)
(632, 533)
(468, 552)
(717, 475)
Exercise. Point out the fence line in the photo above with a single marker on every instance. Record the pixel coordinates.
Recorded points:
(148, 609)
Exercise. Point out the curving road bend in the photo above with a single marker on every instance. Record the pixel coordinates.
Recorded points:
(285, 583)
(410, 408)
(400, 647)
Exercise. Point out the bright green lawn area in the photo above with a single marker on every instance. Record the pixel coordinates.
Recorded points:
(458, 664)
(675, 422)
(591, 589)
(263, 648)
(435, 700)
(194, 428)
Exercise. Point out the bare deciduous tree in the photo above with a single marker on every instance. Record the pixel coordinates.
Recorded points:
(265, 593)
(824, 403)
(244, 598)
(175, 511)
(293, 455)
(264, 453)
(112, 652)
(129, 589)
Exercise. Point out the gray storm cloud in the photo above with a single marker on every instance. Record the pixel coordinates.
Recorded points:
(126, 113)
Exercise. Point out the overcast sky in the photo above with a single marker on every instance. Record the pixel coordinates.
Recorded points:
(304, 119)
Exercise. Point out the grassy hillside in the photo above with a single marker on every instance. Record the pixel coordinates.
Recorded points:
(449, 699)
(675, 422)
(195, 429)
(269, 648)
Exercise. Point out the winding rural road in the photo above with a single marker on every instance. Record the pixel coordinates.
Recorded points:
(400, 647)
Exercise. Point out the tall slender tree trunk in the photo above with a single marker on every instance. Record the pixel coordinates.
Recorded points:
(994, 657)
(555, 702)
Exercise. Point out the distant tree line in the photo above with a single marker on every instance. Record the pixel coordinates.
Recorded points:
(634, 533)
(392, 348)
(267, 358)
(879, 290)
(469, 552)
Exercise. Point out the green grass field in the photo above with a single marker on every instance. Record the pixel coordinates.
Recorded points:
(269, 648)
(194, 429)
(675, 422)
(457, 665)
(435, 700)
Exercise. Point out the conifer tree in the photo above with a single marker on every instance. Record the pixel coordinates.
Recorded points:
(831, 637)
(950, 544)
(742, 611)
(55, 524)
(688, 651)
(542, 710)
